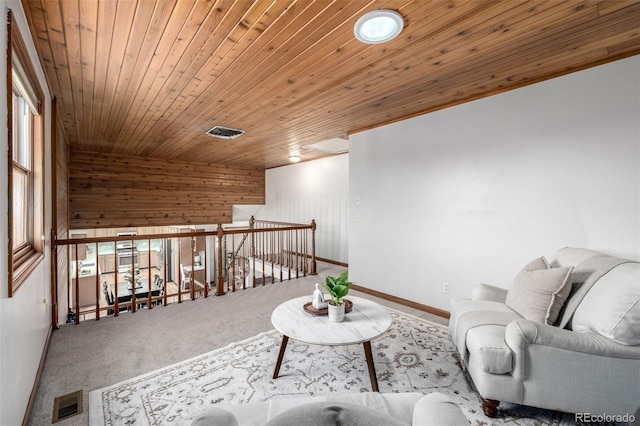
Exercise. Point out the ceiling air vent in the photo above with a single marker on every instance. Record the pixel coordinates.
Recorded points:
(334, 146)
(224, 132)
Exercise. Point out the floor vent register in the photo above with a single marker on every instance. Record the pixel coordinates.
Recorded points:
(66, 406)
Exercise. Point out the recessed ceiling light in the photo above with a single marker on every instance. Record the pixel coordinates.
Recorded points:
(378, 26)
(294, 158)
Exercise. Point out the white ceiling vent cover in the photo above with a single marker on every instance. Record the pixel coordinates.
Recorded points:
(224, 132)
(334, 146)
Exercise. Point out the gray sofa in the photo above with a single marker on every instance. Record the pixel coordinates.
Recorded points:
(565, 336)
(368, 408)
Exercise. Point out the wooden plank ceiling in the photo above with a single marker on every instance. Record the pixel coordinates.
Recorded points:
(147, 78)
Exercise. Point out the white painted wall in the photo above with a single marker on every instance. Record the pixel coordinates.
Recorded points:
(471, 193)
(24, 318)
(310, 190)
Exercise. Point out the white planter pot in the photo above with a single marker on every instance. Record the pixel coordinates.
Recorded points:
(336, 313)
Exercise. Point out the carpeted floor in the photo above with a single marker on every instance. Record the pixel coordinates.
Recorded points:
(95, 354)
(98, 354)
(414, 355)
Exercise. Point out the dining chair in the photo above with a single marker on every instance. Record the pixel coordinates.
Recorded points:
(157, 283)
(107, 298)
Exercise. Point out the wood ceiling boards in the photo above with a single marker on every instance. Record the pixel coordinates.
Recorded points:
(147, 78)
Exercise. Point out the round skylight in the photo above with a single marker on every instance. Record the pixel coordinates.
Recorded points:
(378, 26)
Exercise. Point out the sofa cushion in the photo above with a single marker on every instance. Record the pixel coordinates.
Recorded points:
(539, 292)
(612, 306)
(487, 347)
(467, 313)
(571, 256)
(397, 405)
(215, 416)
(331, 413)
(406, 408)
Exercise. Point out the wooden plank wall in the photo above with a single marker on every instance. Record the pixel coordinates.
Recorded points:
(141, 230)
(62, 184)
(107, 190)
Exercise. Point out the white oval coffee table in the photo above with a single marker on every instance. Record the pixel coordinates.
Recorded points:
(366, 321)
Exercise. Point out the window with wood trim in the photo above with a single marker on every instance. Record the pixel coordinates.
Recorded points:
(26, 161)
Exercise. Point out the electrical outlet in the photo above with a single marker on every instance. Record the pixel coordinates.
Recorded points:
(445, 287)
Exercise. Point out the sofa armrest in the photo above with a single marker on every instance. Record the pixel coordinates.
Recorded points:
(550, 363)
(488, 292)
(438, 409)
(215, 416)
(520, 333)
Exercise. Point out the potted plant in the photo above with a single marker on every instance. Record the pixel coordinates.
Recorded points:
(338, 287)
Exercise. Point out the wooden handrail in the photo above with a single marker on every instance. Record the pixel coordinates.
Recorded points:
(278, 250)
(268, 251)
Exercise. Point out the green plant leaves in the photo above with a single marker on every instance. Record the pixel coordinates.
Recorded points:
(337, 287)
(340, 290)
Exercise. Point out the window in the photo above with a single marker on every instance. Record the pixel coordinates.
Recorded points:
(22, 174)
(26, 186)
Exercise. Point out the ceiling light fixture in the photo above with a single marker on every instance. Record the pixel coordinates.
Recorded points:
(378, 26)
(294, 158)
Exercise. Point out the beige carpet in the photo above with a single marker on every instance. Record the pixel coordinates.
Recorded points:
(414, 355)
(95, 354)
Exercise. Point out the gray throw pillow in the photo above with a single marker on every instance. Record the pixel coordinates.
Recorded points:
(329, 414)
(538, 292)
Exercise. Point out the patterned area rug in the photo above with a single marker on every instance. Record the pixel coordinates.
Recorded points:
(415, 355)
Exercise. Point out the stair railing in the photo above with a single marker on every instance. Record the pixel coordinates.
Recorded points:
(267, 252)
(278, 251)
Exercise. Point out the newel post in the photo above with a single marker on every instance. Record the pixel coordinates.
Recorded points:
(220, 284)
(313, 247)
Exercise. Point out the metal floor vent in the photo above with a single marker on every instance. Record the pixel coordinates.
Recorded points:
(66, 406)
(224, 132)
